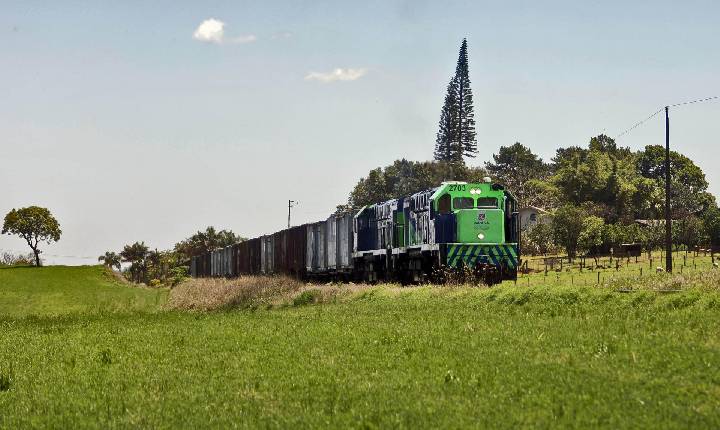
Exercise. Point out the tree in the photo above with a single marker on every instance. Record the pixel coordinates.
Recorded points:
(711, 219)
(110, 259)
(205, 241)
(690, 231)
(688, 190)
(136, 255)
(604, 176)
(446, 144)
(591, 235)
(515, 166)
(456, 136)
(35, 225)
(567, 227)
(538, 238)
(403, 178)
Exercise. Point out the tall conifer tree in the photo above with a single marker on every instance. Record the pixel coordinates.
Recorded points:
(456, 134)
(446, 148)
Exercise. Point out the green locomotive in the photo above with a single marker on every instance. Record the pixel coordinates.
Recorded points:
(459, 226)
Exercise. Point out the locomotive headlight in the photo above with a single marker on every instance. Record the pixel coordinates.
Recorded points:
(475, 191)
(481, 236)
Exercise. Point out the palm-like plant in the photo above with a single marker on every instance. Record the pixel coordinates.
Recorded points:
(136, 254)
(110, 259)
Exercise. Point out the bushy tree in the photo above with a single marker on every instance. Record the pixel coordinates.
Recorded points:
(690, 231)
(456, 134)
(654, 235)
(521, 171)
(205, 241)
(568, 222)
(538, 237)
(110, 260)
(604, 176)
(136, 254)
(688, 191)
(167, 267)
(403, 178)
(711, 219)
(35, 225)
(592, 235)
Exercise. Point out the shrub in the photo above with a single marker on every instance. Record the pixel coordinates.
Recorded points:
(307, 297)
(5, 381)
(12, 259)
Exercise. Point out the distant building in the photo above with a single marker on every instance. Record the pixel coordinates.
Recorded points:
(529, 215)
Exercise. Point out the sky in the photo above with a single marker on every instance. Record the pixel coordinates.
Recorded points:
(148, 121)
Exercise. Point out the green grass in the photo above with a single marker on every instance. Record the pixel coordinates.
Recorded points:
(608, 270)
(504, 357)
(56, 290)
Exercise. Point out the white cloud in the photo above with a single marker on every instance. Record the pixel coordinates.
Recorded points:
(338, 74)
(213, 31)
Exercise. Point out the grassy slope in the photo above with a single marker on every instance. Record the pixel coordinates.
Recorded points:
(60, 290)
(504, 357)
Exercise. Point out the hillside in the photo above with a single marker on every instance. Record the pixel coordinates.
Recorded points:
(58, 290)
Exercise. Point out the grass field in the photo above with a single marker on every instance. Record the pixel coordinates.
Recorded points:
(59, 290)
(429, 357)
(608, 270)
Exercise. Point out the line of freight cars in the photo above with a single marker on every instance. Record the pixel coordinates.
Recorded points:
(457, 225)
(320, 249)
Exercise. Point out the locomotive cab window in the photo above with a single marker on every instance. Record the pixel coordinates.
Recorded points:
(463, 203)
(444, 204)
(487, 203)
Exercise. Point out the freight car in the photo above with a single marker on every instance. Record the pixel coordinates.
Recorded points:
(456, 227)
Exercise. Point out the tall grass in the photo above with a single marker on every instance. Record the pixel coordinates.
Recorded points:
(208, 294)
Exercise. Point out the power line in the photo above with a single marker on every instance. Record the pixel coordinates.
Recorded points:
(639, 123)
(13, 251)
(695, 101)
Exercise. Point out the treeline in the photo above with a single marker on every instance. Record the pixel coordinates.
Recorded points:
(571, 230)
(166, 267)
(601, 189)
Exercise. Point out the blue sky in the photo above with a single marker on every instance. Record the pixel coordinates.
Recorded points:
(128, 127)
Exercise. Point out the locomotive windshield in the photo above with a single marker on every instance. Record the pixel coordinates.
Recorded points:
(487, 203)
(463, 203)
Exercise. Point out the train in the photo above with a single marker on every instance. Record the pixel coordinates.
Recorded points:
(454, 228)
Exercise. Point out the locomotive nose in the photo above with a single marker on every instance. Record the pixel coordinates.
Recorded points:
(480, 226)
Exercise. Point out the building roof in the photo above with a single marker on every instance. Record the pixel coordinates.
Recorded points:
(535, 208)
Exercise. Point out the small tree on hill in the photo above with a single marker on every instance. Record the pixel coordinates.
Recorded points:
(35, 225)
(136, 255)
(110, 259)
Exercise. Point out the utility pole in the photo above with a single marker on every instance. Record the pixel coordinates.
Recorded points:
(291, 203)
(668, 221)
